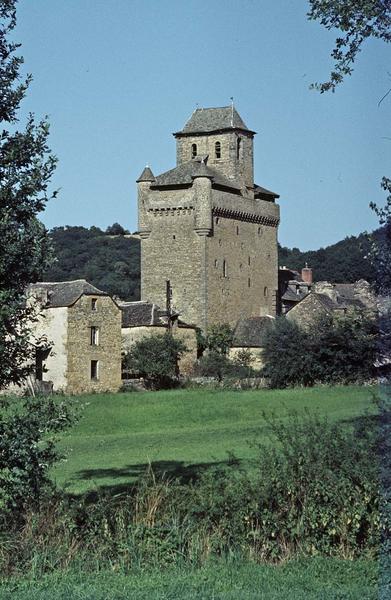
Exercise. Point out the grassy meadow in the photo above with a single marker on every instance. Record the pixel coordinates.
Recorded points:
(183, 431)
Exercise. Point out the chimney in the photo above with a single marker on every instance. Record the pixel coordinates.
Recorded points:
(306, 274)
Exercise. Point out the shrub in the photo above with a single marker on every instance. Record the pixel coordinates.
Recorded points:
(156, 358)
(337, 349)
(28, 448)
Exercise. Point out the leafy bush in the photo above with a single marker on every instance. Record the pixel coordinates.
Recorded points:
(155, 358)
(339, 349)
(28, 448)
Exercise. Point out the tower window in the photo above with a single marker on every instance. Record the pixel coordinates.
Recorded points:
(249, 261)
(238, 145)
(216, 263)
(225, 269)
(93, 304)
(193, 150)
(249, 282)
(265, 292)
(218, 150)
(237, 229)
(94, 370)
(259, 230)
(94, 336)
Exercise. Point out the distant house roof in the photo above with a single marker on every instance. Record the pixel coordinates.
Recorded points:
(140, 314)
(208, 120)
(146, 314)
(250, 332)
(185, 173)
(63, 293)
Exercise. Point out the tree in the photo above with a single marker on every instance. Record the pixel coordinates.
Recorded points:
(336, 349)
(155, 358)
(26, 166)
(358, 20)
(380, 253)
(219, 338)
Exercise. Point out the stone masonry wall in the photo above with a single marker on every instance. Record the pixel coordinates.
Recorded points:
(242, 270)
(233, 168)
(81, 317)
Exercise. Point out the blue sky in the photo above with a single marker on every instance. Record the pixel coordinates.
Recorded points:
(117, 77)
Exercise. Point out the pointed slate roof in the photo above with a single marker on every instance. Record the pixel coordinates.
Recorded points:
(208, 120)
(146, 175)
(64, 293)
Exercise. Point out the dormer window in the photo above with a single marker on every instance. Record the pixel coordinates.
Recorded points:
(238, 145)
(193, 150)
(218, 150)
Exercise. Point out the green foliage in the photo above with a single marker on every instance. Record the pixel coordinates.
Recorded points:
(28, 448)
(110, 263)
(219, 338)
(343, 262)
(213, 364)
(156, 358)
(380, 251)
(314, 491)
(116, 229)
(333, 350)
(26, 165)
(358, 20)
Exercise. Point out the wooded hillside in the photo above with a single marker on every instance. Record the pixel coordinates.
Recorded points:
(112, 262)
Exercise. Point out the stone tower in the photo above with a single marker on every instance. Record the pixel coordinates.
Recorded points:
(207, 228)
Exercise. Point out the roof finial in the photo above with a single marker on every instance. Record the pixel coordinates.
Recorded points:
(232, 111)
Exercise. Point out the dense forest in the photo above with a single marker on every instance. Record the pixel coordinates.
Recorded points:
(110, 259)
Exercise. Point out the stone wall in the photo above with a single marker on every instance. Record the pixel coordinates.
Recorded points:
(131, 335)
(240, 169)
(107, 318)
(53, 325)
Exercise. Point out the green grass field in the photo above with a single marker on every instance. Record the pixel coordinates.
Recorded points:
(183, 431)
(310, 579)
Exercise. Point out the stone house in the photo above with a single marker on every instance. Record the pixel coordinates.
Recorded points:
(143, 319)
(337, 299)
(249, 335)
(292, 287)
(79, 328)
(207, 227)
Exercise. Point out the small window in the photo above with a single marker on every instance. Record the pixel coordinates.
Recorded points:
(93, 304)
(265, 292)
(217, 220)
(225, 269)
(259, 230)
(249, 282)
(218, 150)
(237, 229)
(249, 261)
(220, 242)
(94, 370)
(193, 150)
(173, 237)
(238, 145)
(94, 336)
(216, 263)
(240, 267)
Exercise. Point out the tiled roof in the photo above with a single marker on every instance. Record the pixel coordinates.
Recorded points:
(185, 173)
(263, 193)
(64, 293)
(250, 332)
(146, 175)
(140, 314)
(207, 120)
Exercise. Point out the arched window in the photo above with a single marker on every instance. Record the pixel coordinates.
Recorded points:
(193, 150)
(238, 144)
(225, 269)
(218, 150)
(265, 292)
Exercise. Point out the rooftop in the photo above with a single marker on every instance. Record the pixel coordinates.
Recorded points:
(63, 293)
(208, 120)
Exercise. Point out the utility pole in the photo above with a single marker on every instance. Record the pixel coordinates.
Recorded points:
(168, 304)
